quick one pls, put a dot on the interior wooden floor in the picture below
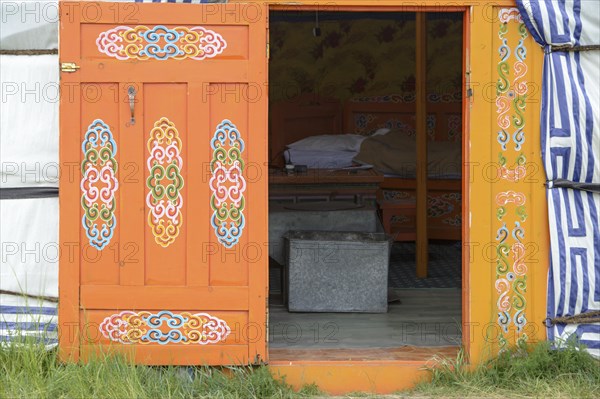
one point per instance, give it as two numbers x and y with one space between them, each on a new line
425 322
379 355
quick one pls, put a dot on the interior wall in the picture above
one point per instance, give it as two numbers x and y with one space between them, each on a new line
360 55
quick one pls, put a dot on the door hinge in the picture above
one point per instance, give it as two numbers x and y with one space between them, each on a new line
268 51
468 82
69 67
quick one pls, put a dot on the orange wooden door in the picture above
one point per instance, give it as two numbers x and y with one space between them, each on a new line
163 195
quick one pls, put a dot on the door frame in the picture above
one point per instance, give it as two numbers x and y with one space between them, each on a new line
440 6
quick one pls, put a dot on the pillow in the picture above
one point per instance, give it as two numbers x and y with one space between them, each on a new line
319 159
329 142
381 132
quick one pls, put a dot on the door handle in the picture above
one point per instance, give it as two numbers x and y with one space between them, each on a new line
131 92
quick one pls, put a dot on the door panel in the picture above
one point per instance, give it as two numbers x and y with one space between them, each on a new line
170 229
165 175
227 262
132 187
100 245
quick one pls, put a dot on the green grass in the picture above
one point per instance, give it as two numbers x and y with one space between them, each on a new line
29 371
533 371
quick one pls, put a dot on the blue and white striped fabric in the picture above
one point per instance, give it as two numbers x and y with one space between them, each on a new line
23 318
29 269
570 135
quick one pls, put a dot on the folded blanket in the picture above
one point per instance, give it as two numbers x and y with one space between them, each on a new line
396 153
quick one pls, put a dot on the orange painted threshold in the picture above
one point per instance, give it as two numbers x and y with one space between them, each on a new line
372 370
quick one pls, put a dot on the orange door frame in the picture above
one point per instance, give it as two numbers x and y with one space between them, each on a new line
466 339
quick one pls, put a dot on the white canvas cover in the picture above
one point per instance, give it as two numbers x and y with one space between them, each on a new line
29 243
29 123
29 25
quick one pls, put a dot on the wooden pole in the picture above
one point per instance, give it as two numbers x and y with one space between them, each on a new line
421 129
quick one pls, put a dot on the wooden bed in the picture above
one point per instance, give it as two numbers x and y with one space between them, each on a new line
396 196
310 115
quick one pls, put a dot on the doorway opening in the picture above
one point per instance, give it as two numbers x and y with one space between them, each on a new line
343 154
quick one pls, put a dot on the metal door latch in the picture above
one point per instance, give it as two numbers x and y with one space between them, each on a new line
131 93
69 67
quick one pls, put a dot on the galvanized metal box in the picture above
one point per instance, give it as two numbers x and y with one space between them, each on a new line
337 271
282 220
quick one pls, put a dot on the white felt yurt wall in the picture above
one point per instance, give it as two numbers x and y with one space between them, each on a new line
29 25
30 246
29 163
29 126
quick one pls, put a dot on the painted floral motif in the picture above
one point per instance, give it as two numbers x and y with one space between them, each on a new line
99 184
364 78
510 196
399 219
511 96
410 98
512 174
430 123
508 14
440 205
362 121
390 98
160 43
408 128
455 97
455 221
227 184
164 182
454 127
164 327
393 195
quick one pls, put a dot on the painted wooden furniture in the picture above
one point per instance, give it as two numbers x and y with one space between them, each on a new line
397 202
444 197
364 116
328 185
397 215
166 203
